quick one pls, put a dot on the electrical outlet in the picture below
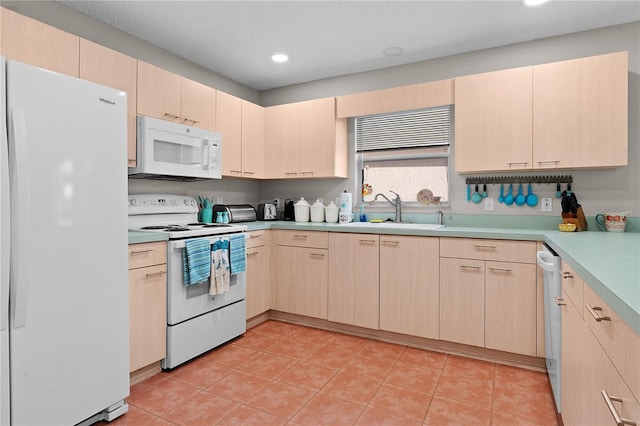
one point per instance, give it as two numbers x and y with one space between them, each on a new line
276 202
488 204
220 200
546 205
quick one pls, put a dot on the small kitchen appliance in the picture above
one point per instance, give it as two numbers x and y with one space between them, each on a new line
236 212
289 213
267 211
196 320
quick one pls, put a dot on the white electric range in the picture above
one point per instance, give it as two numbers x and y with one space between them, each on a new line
196 320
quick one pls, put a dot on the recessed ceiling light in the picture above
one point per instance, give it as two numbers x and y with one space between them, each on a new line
393 51
279 57
534 2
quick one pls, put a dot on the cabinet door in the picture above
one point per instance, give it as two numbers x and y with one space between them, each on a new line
228 123
110 68
258 283
198 104
409 285
580 112
32 42
572 379
354 291
301 277
316 141
281 130
147 315
159 92
493 121
462 301
510 317
252 140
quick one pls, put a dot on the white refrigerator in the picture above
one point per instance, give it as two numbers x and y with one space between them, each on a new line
64 347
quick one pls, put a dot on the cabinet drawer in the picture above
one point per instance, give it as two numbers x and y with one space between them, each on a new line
618 340
572 284
256 238
147 254
500 250
303 239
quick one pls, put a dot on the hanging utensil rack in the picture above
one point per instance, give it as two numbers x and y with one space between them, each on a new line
489 180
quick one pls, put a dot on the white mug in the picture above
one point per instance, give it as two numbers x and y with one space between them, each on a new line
345 217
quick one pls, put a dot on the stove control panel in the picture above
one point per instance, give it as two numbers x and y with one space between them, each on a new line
161 204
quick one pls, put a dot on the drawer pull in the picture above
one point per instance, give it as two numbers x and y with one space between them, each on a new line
317 254
524 163
300 236
596 315
136 252
367 241
171 116
548 161
499 269
566 275
470 267
484 246
236 171
188 120
390 242
155 274
255 236
616 417
560 301
253 253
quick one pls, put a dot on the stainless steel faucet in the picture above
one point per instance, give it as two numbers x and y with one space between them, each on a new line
440 217
397 203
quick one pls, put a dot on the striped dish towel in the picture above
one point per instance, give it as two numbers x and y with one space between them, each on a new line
237 253
196 261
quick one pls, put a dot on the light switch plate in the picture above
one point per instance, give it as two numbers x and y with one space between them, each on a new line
546 205
488 204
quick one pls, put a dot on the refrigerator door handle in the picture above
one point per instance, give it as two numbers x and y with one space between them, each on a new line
4 229
20 223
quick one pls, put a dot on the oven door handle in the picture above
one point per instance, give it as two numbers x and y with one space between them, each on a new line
179 244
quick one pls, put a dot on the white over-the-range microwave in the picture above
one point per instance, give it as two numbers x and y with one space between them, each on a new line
173 151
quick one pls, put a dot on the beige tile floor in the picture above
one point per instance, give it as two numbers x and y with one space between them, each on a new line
280 373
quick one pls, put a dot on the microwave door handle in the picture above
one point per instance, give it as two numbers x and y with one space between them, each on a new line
206 152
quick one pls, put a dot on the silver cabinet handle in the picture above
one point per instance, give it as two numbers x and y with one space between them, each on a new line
614 412
524 163
566 275
560 301
155 274
255 235
470 267
548 161
317 254
484 246
596 315
188 120
390 242
300 236
171 116
499 269
253 253
136 252
367 241
239 172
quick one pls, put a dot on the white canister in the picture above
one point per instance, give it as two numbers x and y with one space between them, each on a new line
346 202
317 211
301 210
331 212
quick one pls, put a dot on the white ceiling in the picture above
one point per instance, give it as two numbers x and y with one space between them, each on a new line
331 38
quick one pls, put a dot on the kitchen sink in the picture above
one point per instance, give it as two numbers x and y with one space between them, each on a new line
394 225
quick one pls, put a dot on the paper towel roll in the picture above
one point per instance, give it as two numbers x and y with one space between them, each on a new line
346 202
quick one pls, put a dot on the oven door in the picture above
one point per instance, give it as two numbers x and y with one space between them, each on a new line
186 302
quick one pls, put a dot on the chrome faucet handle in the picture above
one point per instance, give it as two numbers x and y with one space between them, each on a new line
397 195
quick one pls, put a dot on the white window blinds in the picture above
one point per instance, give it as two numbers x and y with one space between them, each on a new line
406 129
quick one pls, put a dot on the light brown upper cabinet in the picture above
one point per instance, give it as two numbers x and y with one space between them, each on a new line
580 113
32 42
168 96
562 115
252 140
414 96
229 125
305 140
493 121
110 68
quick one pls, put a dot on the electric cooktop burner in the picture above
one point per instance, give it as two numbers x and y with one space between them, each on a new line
216 225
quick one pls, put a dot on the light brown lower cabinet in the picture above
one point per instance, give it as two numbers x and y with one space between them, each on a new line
258 273
354 291
147 304
409 285
301 277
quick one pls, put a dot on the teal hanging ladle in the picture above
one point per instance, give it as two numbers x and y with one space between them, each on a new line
508 200
501 197
532 199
